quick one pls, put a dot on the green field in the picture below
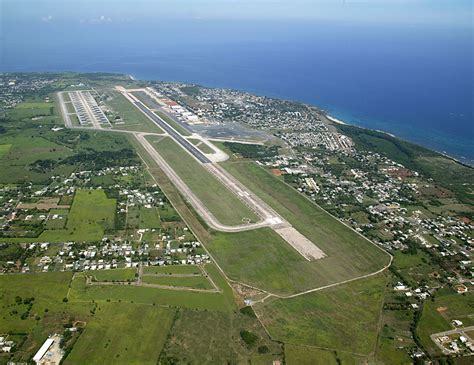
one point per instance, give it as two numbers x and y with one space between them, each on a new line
123 333
19 152
142 217
127 274
172 269
4 148
48 312
343 317
263 259
132 118
304 355
221 343
195 282
91 213
395 337
227 208
224 301
57 223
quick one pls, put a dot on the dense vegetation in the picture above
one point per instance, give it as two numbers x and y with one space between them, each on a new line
252 151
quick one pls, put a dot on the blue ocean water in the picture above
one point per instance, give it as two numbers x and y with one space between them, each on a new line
414 81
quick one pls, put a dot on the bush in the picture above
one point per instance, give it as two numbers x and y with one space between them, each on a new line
248 337
263 349
248 311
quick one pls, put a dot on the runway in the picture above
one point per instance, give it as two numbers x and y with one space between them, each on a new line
268 216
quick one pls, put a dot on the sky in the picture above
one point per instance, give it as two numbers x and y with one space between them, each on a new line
457 13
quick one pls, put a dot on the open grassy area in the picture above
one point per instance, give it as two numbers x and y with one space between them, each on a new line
304 355
395 337
344 317
221 344
262 258
113 274
91 213
48 312
18 152
225 206
122 333
224 301
172 269
196 282
141 217
132 118
4 148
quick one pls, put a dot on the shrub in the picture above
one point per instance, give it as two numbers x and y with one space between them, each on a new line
248 337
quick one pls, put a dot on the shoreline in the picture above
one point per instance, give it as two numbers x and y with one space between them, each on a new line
444 154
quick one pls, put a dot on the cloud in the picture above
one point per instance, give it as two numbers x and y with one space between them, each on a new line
97 20
47 18
102 19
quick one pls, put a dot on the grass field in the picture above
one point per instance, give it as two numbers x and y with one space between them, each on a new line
113 274
221 343
132 118
4 148
227 208
91 212
123 333
304 355
130 293
344 317
48 312
23 150
172 269
395 337
196 282
142 217
261 258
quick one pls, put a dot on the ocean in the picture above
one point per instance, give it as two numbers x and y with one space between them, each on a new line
415 82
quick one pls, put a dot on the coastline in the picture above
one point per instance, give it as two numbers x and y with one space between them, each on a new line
441 153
